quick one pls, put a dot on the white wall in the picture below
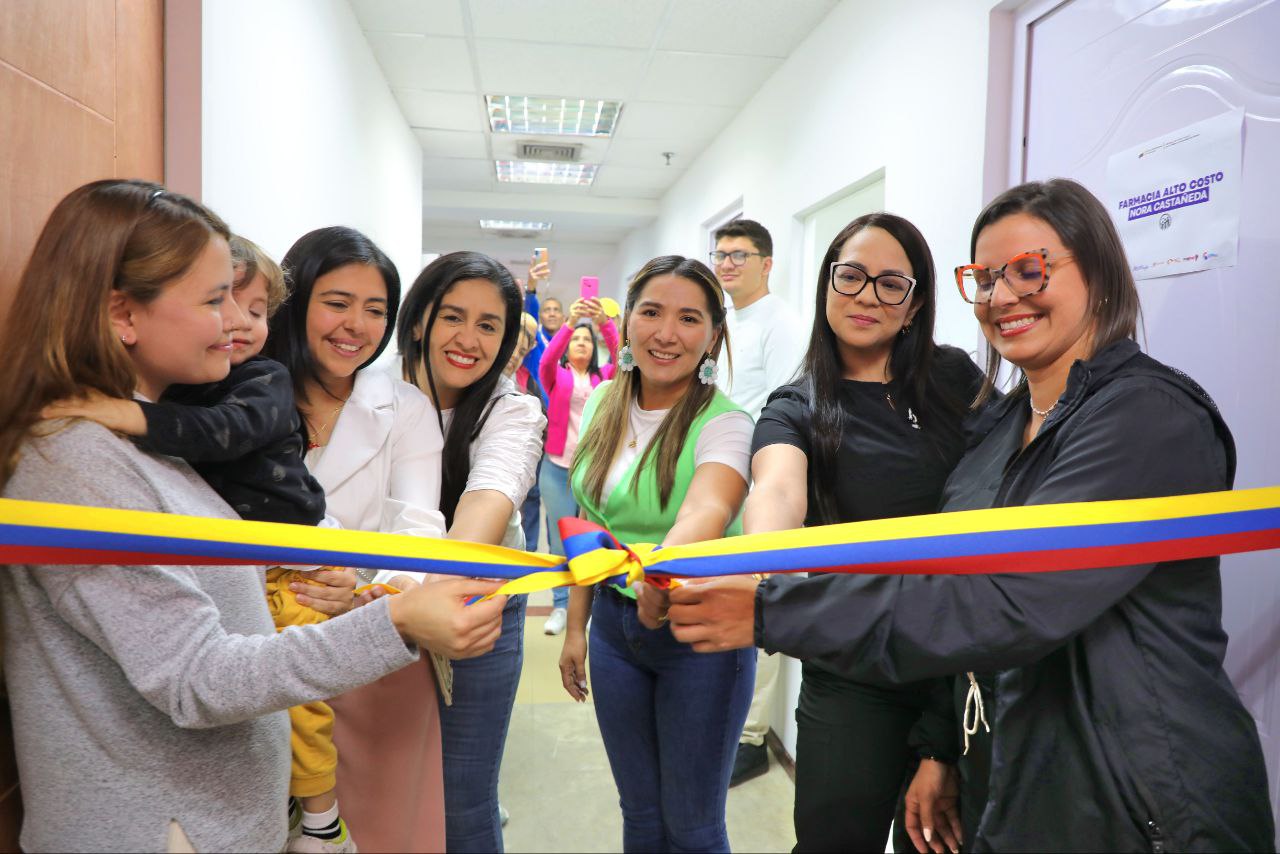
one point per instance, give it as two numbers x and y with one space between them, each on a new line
900 86
299 129
897 86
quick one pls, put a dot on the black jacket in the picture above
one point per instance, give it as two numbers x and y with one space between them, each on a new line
1113 724
242 435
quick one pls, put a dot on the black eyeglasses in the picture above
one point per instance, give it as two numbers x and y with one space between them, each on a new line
890 288
738 257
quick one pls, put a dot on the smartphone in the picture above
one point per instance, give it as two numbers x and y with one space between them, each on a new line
540 256
590 287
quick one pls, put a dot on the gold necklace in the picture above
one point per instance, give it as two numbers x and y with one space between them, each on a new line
317 433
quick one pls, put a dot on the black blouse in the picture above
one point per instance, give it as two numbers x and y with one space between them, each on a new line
890 462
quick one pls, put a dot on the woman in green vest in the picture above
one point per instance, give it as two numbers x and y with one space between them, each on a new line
664 458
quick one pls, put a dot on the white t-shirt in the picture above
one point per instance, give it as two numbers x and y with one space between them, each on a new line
768 344
724 439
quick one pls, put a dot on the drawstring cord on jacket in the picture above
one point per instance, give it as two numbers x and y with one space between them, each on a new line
973 700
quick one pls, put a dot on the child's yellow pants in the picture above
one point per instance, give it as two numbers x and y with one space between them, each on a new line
315 758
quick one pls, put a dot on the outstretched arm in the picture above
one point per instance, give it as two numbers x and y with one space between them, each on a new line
916 626
256 411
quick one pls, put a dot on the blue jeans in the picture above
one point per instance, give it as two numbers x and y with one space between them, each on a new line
474 731
553 482
670 719
530 514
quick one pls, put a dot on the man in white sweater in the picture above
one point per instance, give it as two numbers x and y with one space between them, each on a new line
768 345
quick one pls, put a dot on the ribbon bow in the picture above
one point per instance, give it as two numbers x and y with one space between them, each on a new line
592 555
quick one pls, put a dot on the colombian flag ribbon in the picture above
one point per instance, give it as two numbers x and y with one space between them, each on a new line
1040 538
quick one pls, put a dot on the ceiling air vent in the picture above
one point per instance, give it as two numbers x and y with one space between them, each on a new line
550 152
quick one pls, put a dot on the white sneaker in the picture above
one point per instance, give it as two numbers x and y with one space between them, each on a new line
503 815
343 844
556 621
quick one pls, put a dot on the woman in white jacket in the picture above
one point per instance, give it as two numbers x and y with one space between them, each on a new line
374 443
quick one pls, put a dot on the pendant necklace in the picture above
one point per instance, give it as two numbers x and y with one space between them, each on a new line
312 444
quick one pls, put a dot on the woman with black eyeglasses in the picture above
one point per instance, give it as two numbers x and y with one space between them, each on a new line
870 430
1105 721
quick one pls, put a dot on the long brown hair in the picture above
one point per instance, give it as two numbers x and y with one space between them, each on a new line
603 439
134 237
1087 232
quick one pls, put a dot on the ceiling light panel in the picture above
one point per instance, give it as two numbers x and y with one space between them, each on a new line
552 116
513 225
537 172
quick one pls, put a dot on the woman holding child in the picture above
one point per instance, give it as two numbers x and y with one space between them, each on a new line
167 682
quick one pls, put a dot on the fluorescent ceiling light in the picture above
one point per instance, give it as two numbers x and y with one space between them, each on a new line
552 116
538 172
513 225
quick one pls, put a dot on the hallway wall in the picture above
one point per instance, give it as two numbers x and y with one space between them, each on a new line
896 86
900 86
299 129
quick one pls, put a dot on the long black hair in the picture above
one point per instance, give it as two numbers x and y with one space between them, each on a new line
937 407
312 256
473 407
592 367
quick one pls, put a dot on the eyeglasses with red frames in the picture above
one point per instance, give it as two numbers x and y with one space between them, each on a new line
1025 274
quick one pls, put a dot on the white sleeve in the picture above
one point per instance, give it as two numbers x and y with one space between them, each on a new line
504 457
412 503
784 343
726 439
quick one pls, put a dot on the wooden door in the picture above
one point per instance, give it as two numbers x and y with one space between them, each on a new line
82 96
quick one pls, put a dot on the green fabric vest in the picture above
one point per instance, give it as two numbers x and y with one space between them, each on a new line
639 517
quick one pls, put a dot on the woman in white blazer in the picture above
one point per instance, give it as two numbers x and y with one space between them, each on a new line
374 444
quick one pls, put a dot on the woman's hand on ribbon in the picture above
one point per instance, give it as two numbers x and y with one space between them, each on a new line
436 616
932 808
331 591
715 615
652 604
573 664
373 592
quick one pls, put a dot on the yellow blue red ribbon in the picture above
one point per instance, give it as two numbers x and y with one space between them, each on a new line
1041 538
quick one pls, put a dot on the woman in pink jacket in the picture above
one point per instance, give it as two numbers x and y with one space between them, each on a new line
569 373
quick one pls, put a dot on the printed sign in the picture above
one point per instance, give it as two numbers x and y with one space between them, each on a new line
1176 199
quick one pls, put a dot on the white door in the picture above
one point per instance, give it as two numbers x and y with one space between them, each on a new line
1104 75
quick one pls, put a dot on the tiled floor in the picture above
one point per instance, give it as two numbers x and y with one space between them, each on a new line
556 782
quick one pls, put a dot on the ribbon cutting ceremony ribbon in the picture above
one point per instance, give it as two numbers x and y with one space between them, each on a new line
1040 538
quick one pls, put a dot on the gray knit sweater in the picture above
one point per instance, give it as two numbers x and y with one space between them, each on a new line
146 694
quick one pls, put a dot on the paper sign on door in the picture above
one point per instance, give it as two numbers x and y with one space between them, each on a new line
1176 199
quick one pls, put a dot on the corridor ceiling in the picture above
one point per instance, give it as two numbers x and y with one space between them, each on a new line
682 68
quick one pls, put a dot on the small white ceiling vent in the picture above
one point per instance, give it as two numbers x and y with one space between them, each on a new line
551 152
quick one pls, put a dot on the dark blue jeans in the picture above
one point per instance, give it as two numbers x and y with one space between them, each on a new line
671 719
531 513
474 732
